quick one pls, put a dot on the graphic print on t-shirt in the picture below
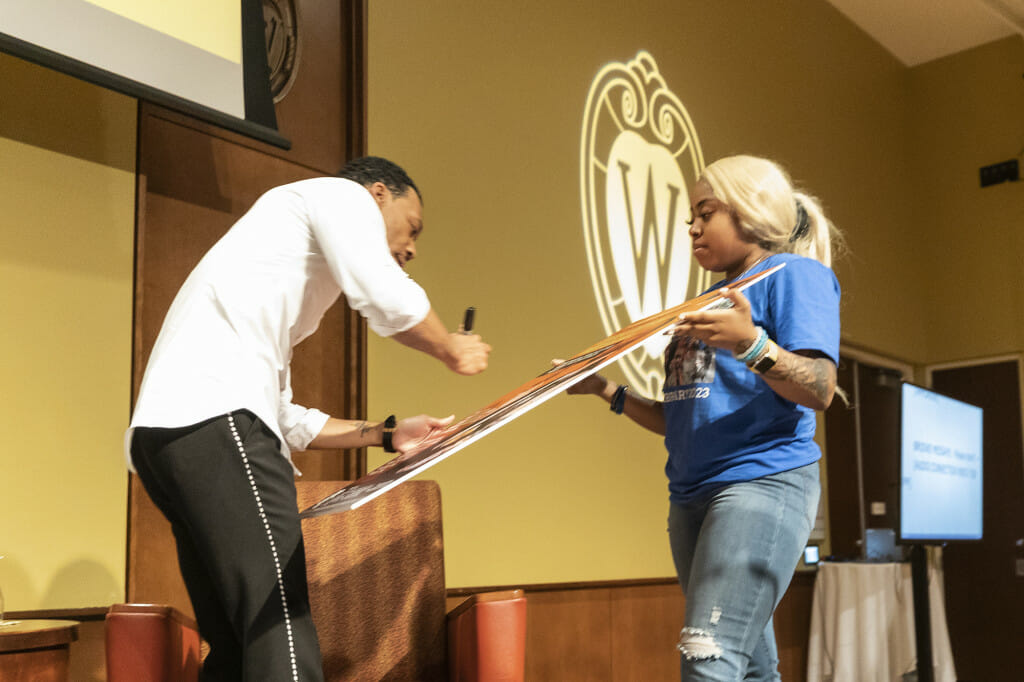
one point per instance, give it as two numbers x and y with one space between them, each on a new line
688 361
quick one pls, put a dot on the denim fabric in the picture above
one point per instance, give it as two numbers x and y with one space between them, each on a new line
735 550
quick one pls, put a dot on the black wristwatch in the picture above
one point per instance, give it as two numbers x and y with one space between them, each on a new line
389 431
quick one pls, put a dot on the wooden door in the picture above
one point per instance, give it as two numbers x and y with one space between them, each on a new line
984 581
862 441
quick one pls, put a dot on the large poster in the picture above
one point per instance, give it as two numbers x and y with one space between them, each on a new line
447 442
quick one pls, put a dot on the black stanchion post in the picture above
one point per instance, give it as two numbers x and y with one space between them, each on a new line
922 616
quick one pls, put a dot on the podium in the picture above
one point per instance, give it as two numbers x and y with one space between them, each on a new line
377 593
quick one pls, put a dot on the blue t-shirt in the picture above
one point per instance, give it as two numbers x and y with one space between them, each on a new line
723 422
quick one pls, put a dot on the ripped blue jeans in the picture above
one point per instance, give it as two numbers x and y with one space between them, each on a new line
735 550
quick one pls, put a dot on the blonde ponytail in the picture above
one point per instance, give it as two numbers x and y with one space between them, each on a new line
820 237
769 211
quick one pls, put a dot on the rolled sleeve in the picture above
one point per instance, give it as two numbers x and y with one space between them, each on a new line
299 425
350 230
303 426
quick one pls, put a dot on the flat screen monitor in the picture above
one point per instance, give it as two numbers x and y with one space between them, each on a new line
941 467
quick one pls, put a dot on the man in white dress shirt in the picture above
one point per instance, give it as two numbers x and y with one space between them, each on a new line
214 423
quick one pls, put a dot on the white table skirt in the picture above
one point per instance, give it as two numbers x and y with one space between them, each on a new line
862 624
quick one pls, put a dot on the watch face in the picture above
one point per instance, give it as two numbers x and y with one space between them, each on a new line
281 29
768 361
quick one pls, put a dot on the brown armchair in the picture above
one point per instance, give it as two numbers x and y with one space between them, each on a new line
377 590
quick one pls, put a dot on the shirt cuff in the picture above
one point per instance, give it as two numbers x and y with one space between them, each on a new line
311 424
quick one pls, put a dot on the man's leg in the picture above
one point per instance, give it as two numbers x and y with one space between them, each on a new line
224 660
231 498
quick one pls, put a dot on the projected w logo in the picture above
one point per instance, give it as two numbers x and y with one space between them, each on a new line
651 255
639 153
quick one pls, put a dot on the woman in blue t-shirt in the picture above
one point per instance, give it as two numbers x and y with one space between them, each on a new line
742 385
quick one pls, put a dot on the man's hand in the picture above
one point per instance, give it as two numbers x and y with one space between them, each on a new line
467 353
460 352
412 431
725 328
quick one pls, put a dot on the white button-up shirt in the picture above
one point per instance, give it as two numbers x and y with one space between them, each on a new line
227 340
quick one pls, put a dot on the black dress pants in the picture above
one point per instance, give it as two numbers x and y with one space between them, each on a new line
230 498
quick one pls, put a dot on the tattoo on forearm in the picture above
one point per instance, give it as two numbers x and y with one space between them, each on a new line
813 374
364 428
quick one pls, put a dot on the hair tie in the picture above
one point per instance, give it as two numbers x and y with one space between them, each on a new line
802 222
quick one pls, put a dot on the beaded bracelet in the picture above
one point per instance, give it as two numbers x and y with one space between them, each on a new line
755 348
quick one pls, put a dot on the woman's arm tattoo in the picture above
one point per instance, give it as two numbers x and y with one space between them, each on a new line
814 374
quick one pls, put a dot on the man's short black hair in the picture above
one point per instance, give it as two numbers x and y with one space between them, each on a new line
367 170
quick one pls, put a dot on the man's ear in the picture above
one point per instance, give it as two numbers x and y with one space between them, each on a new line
380 192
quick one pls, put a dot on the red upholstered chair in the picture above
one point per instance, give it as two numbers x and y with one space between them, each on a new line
487 638
377 591
150 642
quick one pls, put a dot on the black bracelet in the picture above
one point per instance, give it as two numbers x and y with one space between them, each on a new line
389 431
618 399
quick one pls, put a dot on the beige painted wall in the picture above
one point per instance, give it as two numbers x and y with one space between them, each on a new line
969 113
482 101
67 192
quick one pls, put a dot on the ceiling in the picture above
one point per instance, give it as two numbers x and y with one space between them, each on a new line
918 31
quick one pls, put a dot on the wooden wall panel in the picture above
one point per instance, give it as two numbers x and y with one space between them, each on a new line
313 115
620 632
192 189
627 632
194 181
647 621
568 635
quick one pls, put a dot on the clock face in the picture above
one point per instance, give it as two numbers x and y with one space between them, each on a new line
281 29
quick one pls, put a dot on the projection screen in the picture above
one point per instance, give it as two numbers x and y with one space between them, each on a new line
206 58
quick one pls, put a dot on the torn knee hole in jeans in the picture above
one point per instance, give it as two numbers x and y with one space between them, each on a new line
697 644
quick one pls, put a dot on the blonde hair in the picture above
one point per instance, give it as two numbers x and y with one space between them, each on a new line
767 208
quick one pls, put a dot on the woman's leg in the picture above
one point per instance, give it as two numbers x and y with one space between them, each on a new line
742 558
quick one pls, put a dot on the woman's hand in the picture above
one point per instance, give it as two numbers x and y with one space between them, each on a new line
647 413
729 328
804 377
594 384
412 431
